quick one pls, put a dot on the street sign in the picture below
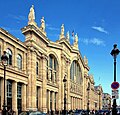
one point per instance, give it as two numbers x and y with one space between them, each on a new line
115 94
115 85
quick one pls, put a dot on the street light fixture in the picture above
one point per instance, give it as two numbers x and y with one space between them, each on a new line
4 60
88 89
114 53
64 81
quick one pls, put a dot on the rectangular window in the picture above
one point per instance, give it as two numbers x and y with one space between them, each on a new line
55 100
50 100
50 59
10 59
37 96
37 68
19 91
9 89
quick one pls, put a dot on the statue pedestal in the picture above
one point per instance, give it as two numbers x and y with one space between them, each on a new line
32 23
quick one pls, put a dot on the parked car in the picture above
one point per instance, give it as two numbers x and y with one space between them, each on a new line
118 111
32 113
80 112
102 112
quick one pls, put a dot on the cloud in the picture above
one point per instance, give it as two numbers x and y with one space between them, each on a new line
19 18
50 27
12 31
100 29
94 41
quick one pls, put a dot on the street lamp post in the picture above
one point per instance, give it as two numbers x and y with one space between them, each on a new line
88 89
64 81
4 60
114 53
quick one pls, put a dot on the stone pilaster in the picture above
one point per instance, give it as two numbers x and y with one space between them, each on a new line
68 86
24 62
14 96
44 83
23 97
40 97
15 58
33 80
29 81
62 77
4 46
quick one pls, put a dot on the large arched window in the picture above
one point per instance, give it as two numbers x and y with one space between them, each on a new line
9 54
52 67
19 61
75 72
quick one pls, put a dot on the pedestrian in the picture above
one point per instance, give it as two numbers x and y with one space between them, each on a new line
0 111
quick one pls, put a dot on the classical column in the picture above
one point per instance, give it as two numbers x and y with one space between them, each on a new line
72 103
48 100
79 103
14 96
23 97
53 101
56 102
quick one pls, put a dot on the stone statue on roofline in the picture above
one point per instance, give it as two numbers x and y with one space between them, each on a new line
42 24
76 41
62 32
68 36
62 29
85 60
31 16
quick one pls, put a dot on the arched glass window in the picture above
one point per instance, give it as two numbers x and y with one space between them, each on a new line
9 54
75 72
52 67
19 61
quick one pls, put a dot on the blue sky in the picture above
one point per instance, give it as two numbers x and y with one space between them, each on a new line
97 23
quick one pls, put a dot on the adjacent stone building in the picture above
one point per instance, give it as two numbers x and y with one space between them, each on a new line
37 66
106 104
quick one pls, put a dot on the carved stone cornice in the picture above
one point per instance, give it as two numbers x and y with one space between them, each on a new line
44 56
65 58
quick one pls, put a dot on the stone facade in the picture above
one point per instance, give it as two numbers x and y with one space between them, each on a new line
37 66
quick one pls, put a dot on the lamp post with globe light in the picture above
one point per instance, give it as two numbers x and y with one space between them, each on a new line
114 53
4 60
